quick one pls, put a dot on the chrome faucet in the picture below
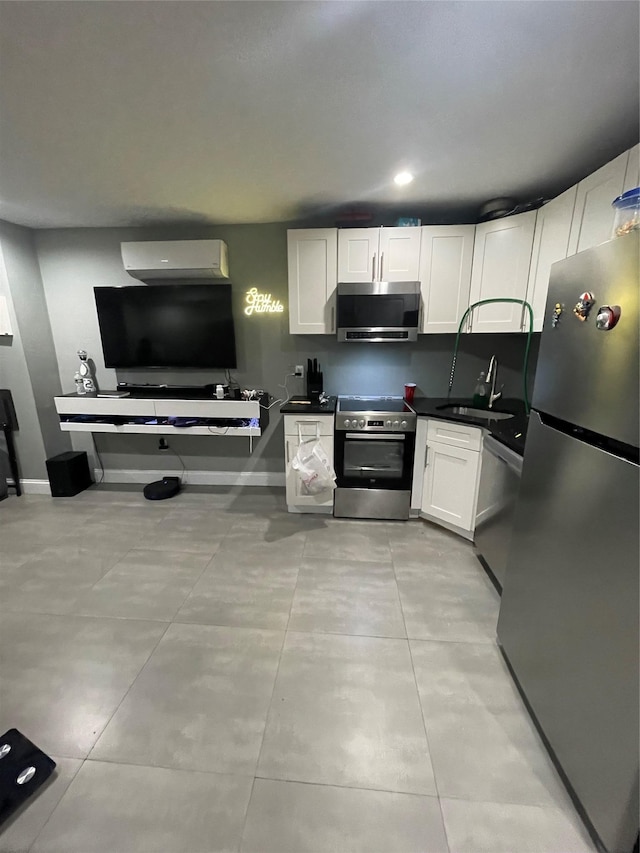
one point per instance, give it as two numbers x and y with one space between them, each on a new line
492 374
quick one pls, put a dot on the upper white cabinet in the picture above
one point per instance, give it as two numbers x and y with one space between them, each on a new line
550 244
313 263
445 275
378 254
593 215
358 254
501 256
632 174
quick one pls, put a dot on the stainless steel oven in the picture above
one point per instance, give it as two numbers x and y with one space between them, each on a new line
374 453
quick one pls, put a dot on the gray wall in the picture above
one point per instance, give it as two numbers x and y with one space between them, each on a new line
74 261
14 375
27 292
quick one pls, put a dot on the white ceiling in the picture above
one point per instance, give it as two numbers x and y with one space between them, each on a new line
118 113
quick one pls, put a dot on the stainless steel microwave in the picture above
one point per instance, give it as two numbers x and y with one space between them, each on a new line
378 311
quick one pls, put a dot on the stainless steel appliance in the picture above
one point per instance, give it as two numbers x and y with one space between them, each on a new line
374 450
498 492
378 311
568 621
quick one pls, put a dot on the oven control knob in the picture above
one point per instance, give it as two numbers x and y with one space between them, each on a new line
396 424
347 423
388 424
403 424
361 424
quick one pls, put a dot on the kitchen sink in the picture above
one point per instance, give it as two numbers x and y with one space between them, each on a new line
489 414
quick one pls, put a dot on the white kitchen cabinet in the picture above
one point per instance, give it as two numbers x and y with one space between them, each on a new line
448 492
450 487
358 254
378 254
632 173
593 215
446 254
313 264
501 258
399 254
306 428
550 244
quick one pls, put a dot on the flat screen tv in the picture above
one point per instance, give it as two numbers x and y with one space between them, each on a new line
168 325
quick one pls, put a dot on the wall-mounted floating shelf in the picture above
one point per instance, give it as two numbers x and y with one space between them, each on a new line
141 415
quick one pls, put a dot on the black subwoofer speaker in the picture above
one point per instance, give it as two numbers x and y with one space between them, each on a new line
68 474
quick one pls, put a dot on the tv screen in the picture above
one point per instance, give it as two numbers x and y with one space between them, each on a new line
169 325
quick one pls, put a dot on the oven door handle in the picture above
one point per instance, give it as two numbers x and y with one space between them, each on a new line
376 436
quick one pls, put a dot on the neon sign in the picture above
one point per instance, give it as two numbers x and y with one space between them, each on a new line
261 303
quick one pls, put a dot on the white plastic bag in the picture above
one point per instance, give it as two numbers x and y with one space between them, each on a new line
314 467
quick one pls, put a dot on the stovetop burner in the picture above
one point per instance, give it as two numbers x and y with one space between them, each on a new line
372 404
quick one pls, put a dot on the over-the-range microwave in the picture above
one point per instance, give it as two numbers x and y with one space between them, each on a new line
378 311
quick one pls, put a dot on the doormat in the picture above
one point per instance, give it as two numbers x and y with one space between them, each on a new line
23 769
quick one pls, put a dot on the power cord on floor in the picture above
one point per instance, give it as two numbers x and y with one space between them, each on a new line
182 475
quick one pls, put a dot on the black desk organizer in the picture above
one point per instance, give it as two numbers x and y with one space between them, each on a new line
315 382
23 769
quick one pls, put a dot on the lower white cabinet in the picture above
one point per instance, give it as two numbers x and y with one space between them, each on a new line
450 482
306 429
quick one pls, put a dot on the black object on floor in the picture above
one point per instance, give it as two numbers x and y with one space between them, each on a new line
68 474
8 425
160 490
23 768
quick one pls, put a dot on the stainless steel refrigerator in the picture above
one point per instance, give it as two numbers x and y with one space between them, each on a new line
568 622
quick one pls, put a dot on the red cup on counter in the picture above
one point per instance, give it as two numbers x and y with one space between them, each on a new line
409 391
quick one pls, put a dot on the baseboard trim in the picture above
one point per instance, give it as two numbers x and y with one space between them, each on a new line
193 478
32 487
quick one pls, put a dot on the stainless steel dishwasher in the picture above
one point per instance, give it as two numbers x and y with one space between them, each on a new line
498 493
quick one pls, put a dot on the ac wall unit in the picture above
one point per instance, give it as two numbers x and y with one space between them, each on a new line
189 260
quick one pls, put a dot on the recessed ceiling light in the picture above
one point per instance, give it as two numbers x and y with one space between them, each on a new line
403 178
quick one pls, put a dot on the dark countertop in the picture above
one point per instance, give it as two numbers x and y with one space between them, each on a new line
512 432
290 407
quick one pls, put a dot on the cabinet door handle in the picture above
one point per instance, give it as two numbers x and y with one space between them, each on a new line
381 264
333 319
373 267
426 458
287 446
522 320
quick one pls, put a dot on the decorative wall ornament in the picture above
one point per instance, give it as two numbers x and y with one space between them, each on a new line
86 373
261 303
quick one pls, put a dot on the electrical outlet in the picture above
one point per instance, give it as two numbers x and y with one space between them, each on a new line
299 371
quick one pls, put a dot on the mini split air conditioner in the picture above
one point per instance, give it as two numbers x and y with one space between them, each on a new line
189 260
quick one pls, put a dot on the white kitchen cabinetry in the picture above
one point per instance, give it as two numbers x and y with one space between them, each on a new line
378 254
446 254
306 428
501 258
632 174
451 476
593 216
550 244
313 263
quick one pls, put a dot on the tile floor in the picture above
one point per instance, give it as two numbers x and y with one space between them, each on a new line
213 674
